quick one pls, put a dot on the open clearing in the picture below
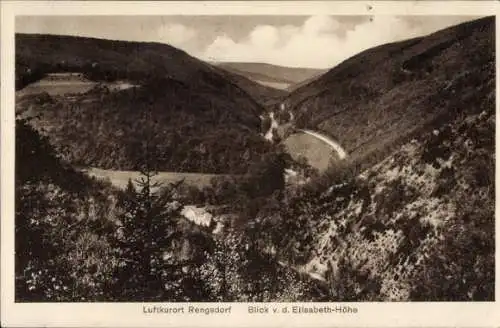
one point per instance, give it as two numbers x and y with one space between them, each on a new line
57 88
276 85
120 178
58 84
318 153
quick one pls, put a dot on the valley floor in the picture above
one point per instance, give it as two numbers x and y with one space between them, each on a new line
120 178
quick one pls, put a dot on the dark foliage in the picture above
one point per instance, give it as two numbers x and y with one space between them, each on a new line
108 60
202 119
193 132
60 226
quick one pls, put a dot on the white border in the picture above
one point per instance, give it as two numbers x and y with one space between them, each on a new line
130 314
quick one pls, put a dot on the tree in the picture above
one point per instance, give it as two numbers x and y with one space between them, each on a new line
150 243
147 228
267 175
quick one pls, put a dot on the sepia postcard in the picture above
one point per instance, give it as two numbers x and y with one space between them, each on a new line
248 164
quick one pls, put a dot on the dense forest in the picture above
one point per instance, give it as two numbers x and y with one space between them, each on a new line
137 62
188 131
200 118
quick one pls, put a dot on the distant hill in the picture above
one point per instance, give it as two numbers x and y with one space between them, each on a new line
378 98
266 94
279 77
294 87
195 116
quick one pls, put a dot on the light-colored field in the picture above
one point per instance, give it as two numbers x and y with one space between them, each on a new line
57 88
120 178
332 143
276 85
58 84
318 153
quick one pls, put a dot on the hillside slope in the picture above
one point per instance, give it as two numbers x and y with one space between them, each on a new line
189 114
422 225
59 217
377 99
416 222
417 226
109 60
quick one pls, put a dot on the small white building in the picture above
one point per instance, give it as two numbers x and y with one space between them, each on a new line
197 215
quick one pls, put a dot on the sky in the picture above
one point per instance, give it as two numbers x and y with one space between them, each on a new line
295 41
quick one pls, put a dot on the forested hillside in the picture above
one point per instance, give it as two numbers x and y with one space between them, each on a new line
410 215
178 129
137 62
417 226
189 115
378 98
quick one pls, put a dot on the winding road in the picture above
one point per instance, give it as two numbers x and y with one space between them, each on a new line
332 143
329 141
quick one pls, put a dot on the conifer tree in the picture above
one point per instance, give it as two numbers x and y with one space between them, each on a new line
147 228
